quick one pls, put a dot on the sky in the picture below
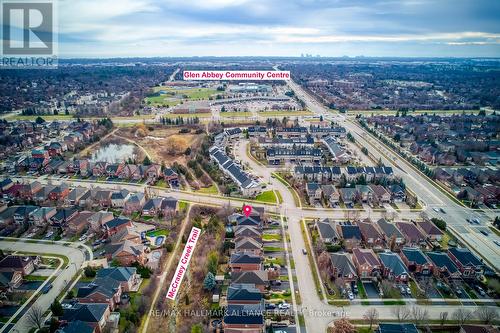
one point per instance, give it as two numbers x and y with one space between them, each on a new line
171 28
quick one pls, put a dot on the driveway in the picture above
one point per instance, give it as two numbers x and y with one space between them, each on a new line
371 290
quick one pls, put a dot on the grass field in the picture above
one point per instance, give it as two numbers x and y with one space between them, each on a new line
187 115
172 97
46 117
235 114
267 196
209 190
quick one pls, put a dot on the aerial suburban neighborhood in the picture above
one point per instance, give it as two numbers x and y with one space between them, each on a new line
250 166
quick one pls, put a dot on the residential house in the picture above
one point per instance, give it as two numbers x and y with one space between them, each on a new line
342 267
169 206
370 234
244 262
41 217
24 264
103 198
77 326
152 207
94 314
43 194
63 215
126 253
444 267
348 195
331 195
364 192
396 328
380 194
244 318
259 278
247 231
99 219
469 265
398 194
103 290
314 192
79 223
10 280
327 231
416 261
393 237
367 263
127 276
116 224
412 234
248 245
75 195
350 234
430 229
118 198
59 192
243 293
28 191
134 203
393 268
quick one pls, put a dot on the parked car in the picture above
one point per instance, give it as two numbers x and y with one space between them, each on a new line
270 306
304 251
283 306
350 295
480 291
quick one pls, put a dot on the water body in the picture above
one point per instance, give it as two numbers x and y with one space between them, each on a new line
113 153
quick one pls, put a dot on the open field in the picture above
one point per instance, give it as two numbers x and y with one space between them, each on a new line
172 96
235 114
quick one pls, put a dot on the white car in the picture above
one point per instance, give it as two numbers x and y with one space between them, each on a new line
84 237
350 295
283 306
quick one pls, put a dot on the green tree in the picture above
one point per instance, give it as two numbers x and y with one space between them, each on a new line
196 328
39 120
209 282
56 308
146 161
213 262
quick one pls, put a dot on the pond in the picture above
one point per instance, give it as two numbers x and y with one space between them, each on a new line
113 153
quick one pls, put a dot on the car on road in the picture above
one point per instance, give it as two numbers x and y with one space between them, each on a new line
304 251
47 288
484 232
496 242
442 210
476 221
436 210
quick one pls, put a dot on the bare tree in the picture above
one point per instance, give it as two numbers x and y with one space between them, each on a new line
442 317
419 314
401 312
486 314
371 316
342 326
35 316
462 315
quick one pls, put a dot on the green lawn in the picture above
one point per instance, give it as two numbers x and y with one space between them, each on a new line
209 190
280 198
274 261
267 196
183 205
273 249
34 278
172 96
159 232
271 237
235 114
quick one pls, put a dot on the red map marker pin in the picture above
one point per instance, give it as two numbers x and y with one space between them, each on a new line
247 210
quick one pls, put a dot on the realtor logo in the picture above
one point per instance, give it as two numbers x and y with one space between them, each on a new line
27 28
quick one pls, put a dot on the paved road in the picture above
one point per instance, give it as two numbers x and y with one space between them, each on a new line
65 275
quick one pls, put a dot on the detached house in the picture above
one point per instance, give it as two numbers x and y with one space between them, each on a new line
367 264
468 264
244 262
103 290
342 267
444 267
126 253
416 261
350 233
412 234
393 268
327 231
371 235
393 236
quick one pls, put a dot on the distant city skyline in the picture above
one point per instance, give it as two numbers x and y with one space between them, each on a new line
409 28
